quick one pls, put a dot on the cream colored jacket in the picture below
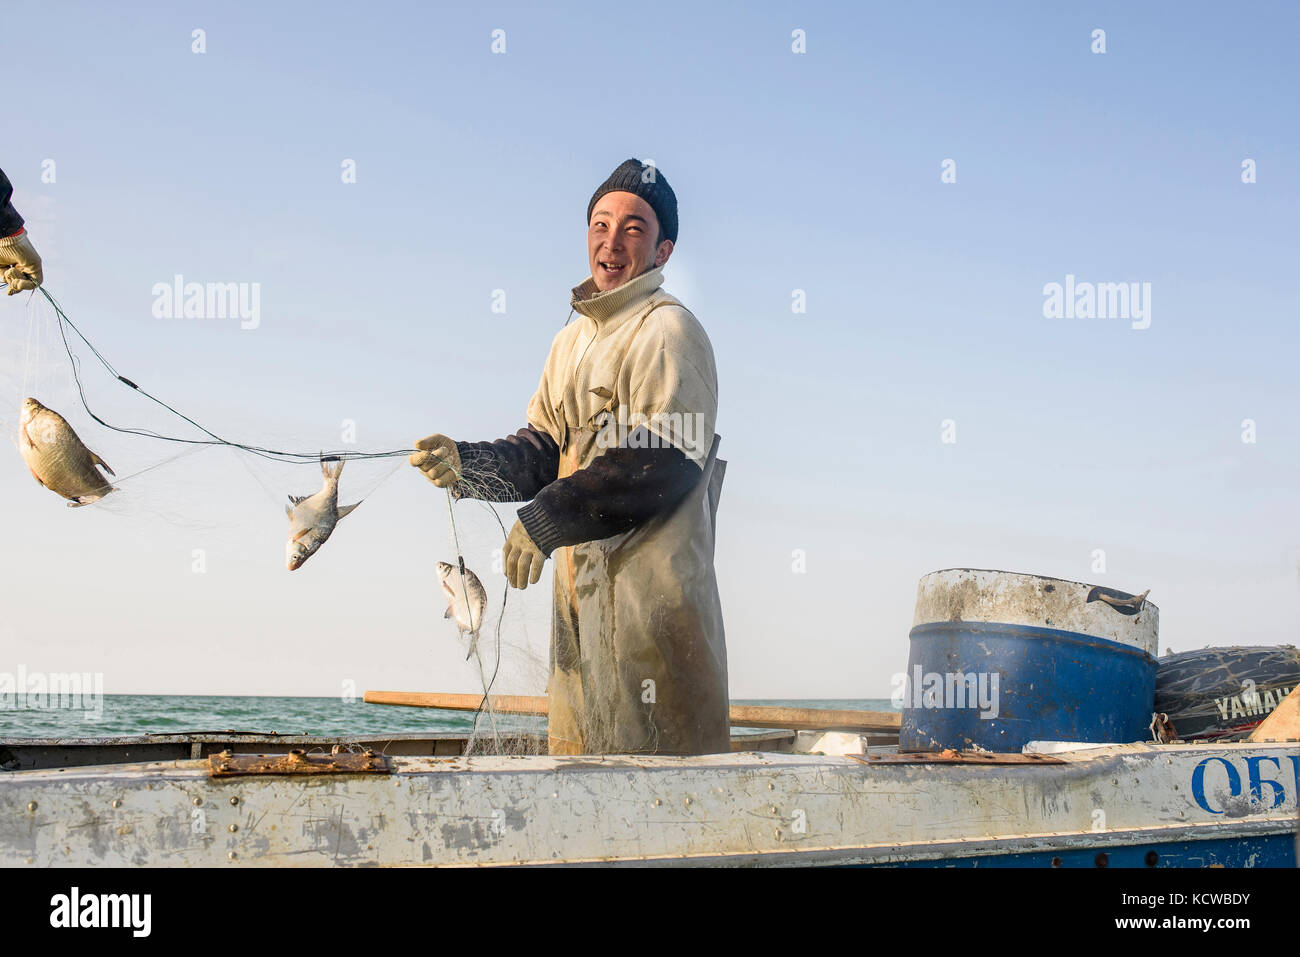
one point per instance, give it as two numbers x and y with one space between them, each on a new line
635 355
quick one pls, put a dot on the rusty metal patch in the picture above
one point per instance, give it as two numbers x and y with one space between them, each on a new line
226 764
949 756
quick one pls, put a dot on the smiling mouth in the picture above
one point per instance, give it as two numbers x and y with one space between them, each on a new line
613 269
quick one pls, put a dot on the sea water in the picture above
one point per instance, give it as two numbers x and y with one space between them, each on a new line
111 715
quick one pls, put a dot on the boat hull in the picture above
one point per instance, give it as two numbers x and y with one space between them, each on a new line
1230 804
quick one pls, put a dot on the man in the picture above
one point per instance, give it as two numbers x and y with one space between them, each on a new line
620 470
20 267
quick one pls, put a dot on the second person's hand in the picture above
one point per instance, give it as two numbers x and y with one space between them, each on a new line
20 266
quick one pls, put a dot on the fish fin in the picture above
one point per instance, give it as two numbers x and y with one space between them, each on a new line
81 500
447 613
296 499
331 467
345 511
101 463
288 510
473 644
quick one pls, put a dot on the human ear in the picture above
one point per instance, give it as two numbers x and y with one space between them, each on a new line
663 252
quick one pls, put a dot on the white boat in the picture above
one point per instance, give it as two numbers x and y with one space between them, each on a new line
792 798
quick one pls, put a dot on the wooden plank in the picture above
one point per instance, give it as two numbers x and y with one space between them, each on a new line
501 703
742 715
1284 722
813 719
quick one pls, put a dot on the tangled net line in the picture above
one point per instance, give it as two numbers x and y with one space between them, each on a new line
481 484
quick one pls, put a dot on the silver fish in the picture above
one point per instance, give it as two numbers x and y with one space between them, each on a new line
312 518
58 459
466 601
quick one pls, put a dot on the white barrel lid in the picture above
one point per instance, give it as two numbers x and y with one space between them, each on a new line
1013 598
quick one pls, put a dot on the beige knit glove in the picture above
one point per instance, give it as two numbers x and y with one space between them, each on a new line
20 266
439 460
521 558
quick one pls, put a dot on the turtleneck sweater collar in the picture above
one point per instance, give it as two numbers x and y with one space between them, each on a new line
589 301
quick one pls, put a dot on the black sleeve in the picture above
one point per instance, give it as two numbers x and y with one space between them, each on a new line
10 221
618 491
513 469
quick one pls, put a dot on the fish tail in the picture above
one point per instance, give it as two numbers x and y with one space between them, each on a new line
331 467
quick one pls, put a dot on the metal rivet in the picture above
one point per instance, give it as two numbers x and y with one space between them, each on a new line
777 832
657 802
771 786
234 800
231 855
686 800
31 805
198 801
116 802
234 828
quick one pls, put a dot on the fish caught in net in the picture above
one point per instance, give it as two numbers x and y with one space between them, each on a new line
69 412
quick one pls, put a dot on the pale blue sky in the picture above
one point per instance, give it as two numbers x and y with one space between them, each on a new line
818 172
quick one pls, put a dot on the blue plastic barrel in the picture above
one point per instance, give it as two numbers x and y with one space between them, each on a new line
999 659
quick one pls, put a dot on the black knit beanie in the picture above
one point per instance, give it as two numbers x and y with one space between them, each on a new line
633 176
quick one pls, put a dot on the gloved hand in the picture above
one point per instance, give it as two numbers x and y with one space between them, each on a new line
20 266
438 460
523 560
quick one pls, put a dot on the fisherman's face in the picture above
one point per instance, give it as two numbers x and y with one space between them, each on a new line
621 240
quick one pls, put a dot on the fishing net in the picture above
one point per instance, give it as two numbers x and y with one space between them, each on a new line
229 485
166 464
497 727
